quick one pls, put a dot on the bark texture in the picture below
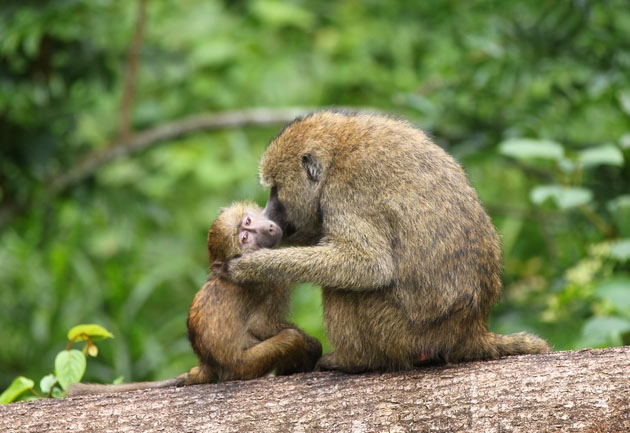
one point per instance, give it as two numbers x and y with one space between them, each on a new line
585 391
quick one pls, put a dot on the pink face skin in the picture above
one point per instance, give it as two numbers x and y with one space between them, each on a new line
255 232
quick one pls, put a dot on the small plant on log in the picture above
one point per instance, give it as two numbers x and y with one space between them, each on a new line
69 367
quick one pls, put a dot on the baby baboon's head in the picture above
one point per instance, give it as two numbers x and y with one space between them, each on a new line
239 228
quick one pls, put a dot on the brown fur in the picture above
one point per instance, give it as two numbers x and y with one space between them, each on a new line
387 223
238 332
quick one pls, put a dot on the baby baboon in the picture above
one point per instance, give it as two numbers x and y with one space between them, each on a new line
237 331
387 223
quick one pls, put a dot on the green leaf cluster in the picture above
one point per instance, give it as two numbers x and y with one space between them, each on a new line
70 367
597 285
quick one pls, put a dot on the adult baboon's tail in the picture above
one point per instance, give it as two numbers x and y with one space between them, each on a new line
521 343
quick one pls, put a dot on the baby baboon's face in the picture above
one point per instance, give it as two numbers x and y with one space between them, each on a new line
255 231
240 228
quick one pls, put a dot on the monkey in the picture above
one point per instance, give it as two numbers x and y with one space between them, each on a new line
238 332
387 223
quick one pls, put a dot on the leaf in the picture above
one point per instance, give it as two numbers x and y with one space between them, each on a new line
213 52
57 392
607 154
619 208
19 385
118 380
624 101
616 291
566 165
620 249
69 367
47 383
564 197
83 332
602 331
524 148
280 13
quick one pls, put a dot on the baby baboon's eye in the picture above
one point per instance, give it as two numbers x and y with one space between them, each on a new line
245 237
247 221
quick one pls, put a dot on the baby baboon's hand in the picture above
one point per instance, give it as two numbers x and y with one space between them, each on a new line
241 269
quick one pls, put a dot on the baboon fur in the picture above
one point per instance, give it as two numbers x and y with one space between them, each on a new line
388 225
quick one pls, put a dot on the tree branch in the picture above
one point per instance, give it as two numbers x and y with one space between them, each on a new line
131 72
580 391
140 141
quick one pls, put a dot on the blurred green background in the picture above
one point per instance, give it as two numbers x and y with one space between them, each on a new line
533 98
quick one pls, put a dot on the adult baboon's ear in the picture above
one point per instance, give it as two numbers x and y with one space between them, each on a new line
313 167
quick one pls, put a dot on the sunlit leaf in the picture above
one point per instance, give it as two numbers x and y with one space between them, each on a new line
620 249
567 165
601 331
213 52
57 392
616 291
69 367
564 197
47 383
603 155
624 101
524 148
281 13
83 332
19 385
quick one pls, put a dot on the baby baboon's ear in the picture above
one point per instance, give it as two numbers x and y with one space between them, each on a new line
313 167
218 267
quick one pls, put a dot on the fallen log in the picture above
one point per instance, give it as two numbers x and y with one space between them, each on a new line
585 391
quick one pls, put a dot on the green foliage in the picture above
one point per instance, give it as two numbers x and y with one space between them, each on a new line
605 331
607 154
595 288
88 332
531 97
527 148
47 382
19 386
565 197
70 366
615 292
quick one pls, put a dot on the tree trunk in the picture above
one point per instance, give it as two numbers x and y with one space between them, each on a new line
585 390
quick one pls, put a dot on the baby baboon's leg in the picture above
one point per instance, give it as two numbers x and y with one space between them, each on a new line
262 358
302 361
